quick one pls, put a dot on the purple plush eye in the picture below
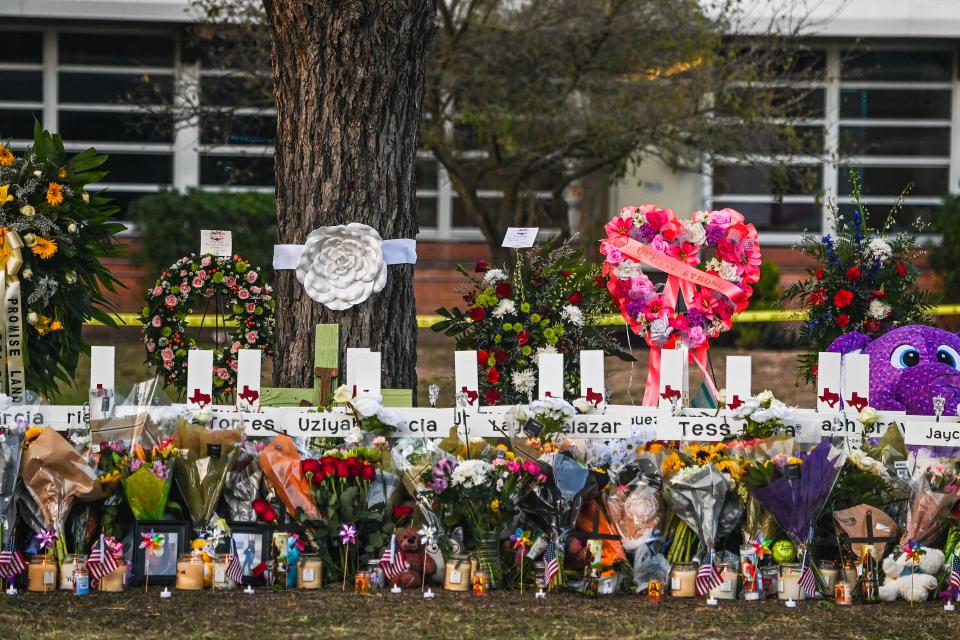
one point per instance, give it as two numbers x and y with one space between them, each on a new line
904 357
948 355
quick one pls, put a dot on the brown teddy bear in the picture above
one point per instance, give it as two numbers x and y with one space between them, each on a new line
408 542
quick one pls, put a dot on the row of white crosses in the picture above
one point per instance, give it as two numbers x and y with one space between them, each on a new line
842 391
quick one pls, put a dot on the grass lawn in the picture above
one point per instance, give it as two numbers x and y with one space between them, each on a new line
289 615
774 370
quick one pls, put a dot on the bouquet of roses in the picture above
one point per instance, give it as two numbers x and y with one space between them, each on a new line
147 477
935 490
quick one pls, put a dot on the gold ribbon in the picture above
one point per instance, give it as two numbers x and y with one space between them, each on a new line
12 336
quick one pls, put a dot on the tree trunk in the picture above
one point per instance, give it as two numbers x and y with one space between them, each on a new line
349 79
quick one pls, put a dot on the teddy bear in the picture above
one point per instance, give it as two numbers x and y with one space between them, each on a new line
909 580
408 543
908 367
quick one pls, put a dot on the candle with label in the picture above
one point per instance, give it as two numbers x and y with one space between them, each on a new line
115 581
310 574
728 588
67 568
683 580
42 574
457 574
221 581
190 572
789 586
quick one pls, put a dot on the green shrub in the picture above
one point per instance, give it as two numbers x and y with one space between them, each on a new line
170 224
945 257
761 335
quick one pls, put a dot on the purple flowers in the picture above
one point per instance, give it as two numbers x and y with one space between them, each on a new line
159 469
696 318
135 464
643 233
714 233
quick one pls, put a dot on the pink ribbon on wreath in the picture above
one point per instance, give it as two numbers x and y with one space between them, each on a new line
682 280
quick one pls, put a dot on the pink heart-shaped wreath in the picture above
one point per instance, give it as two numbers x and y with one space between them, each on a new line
712 294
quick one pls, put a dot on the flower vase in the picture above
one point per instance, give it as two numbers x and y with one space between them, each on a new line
488 558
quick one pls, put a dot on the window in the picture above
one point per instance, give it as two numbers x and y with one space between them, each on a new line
236 170
141 50
892 123
21 85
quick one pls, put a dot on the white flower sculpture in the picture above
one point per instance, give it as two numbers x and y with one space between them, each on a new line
341 266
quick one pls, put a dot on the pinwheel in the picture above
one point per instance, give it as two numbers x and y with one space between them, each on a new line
521 540
913 550
427 535
152 543
348 536
761 546
43 540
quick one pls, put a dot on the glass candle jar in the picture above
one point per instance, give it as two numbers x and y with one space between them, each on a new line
828 569
42 574
310 571
361 583
770 582
481 583
67 567
655 591
728 588
378 581
190 572
683 580
457 574
221 581
751 581
789 586
115 581
81 580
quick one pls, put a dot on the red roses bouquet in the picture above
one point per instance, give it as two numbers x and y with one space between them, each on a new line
864 280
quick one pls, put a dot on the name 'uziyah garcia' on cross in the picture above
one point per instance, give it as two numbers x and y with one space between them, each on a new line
842 390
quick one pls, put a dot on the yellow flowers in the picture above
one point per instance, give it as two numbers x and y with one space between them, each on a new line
671 464
4 196
55 194
731 468
62 173
495 506
45 249
794 460
32 434
45 325
654 447
6 156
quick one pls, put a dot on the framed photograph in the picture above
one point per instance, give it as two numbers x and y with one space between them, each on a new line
162 564
253 544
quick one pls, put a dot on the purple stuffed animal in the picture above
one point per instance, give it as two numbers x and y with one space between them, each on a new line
908 367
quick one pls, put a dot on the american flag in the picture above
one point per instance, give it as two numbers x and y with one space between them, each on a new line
955 572
102 562
393 563
808 581
709 576
551 567
11 561
234 567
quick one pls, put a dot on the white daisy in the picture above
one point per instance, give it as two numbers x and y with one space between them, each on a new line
572 314
493 276
524 381
504 307
878 310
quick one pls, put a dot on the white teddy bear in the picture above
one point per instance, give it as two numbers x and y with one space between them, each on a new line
902 582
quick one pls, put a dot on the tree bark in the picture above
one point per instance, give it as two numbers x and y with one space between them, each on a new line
349 78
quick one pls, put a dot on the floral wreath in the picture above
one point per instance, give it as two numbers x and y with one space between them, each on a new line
246 298
651 312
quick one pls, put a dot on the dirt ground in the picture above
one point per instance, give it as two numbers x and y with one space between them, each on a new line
331 614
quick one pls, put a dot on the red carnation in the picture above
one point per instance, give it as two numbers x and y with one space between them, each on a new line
492 396
879 293
263 510
819 273
477 314
854 274
500 356
575 298
368 472
818 296
523 338
402 511
901 270
482 356
503 289
310 465
843 298
482 266
493 376
843 320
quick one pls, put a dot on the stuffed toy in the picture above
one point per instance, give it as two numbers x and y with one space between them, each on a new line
908 367
910 580
408 542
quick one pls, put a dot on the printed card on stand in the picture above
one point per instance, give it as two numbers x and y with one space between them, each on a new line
368 375
466 377
216 242
550 377
199 378
102 381
592 383
739 380
856 381
674 376
520 237
249 362
828 382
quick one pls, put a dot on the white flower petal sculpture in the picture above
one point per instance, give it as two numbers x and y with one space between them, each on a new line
341 266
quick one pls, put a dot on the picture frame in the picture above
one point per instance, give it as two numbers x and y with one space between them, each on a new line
163 565
253 544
